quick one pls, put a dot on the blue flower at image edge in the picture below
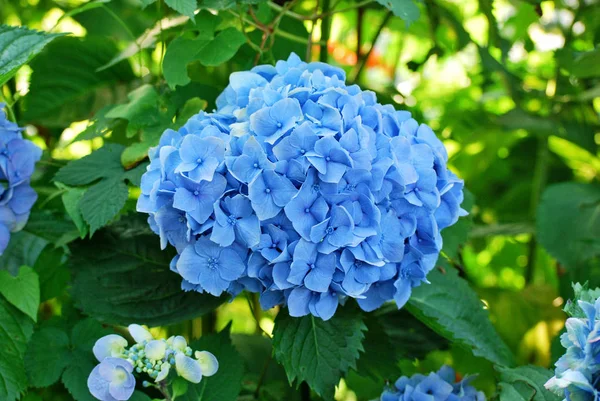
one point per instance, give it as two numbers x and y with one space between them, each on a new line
577 372
303 189
17 162
438 386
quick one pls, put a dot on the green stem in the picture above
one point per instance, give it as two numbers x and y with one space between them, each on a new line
124 25
325 31
9 110
360 64
293 38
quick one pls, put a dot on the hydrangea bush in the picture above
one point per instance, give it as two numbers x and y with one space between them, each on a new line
113 378
303 189
439 386
17 162
577 373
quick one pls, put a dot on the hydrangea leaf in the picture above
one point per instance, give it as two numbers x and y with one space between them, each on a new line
23 250
405 9
207 50
451 308
226 384
456 235
54 275
525 383
15 330
316 351
22 290
47 356
586 64
71 198
571 211
101 202
139 100
127 280
18 45
65 85
185 7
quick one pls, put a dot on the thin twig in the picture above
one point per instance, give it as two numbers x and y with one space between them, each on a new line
360 64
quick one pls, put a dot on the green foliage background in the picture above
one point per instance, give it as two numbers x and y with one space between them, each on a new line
511 86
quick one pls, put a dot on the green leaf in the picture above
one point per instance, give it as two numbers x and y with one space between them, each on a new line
185 7
65 86
102 202
205 49
18 45
525 383
586 65
98 126
23 250
226 384
15 330
568 223
47 356
52 272
71 198
316 351
23 291
103 163
405 9
140 99
222 48
452 309
179 54
76 374
123 280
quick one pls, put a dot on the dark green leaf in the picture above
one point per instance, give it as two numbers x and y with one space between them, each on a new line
15 330
405 9
47 356
101 202
140 99
103 163
568 223
586 64
185 7
23 290
451 308
525 383
18 45
64 84
179 54
316 351
23 250
456 235
76 374
52 272
125 281
222 48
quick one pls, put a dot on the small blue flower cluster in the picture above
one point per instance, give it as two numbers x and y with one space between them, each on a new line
577 373
113 378
17 162
439 386
303 189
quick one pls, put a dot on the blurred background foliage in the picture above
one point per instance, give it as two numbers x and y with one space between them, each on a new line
511 86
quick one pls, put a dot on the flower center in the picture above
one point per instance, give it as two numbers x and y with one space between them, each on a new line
232 220
279 125
268 190
329 230
302 151
328 158
212 263
199 160
255 165
307 210
196 193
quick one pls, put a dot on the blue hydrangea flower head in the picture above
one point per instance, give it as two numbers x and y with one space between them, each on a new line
304 189
577 372
113 379
17 162
437 386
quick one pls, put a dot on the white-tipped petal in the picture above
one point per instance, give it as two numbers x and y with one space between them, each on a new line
208 362
111 345
155 349
179 343
139 333
188 368
164 372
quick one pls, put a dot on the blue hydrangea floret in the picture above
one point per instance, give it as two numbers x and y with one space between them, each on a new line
113 378
437 386
577 372
17 162
304 189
